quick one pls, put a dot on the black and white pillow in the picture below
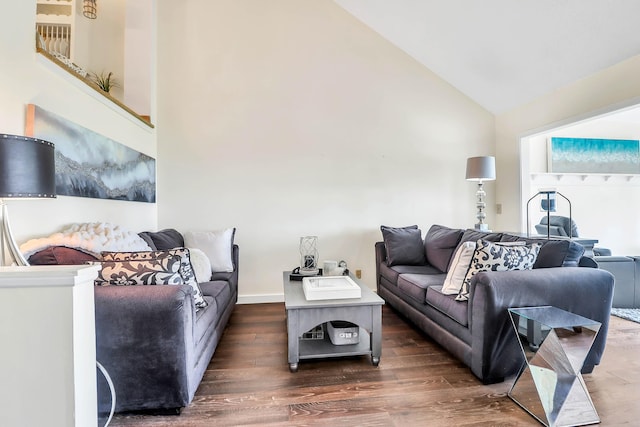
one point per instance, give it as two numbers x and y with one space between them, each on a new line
152 261
490 256
160 271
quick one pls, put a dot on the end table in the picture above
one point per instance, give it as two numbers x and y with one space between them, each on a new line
555 344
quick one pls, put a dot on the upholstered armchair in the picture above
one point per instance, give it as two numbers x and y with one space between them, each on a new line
565 227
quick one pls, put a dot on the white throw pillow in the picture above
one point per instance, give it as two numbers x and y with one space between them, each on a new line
201 265
217 245
458 268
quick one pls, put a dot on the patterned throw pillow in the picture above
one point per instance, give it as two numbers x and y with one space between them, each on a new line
161 271
152 260
490 256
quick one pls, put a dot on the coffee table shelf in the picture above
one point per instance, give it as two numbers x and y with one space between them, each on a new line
321 348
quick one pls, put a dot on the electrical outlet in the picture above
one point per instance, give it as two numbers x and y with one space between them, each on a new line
359 274
499 208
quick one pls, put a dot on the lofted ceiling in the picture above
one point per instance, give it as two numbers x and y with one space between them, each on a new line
505 53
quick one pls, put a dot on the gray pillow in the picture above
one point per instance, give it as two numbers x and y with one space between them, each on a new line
439 244
404 245
559 253
163 239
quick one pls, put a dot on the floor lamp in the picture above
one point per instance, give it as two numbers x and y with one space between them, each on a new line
481 169
548 204
27 171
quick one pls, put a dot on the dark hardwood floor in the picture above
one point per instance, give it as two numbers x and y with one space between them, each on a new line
417 383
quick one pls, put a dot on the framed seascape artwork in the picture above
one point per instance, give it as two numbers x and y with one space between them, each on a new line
92 165
587 155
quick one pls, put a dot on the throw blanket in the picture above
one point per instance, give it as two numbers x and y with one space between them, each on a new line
93 237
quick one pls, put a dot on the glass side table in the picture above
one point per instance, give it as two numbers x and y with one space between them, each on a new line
549 386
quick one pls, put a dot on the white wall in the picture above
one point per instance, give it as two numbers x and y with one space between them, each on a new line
288 118
613 88
100 42
138 55
28 78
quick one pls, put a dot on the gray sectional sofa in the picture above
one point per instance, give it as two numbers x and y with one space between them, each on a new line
626 270
410 272
152 341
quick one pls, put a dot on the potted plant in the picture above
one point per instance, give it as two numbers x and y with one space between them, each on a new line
105 81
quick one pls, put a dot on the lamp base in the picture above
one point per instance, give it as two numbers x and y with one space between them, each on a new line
482 227
7 241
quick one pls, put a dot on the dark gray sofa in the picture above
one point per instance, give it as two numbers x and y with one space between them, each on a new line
478 331
151 340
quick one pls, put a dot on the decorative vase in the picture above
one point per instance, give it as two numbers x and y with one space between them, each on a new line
309 255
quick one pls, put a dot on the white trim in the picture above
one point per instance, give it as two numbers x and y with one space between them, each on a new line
83 87
260 299
265 298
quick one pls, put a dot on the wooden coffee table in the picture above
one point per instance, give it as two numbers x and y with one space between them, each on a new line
303 315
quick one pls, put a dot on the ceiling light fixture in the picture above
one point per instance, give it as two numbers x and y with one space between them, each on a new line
89 9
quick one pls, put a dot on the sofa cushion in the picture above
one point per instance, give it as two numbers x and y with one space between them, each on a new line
150 257
458 268
439 244
447 305
219 290
163 239
206 318
415 285
403 245
470 235
490 256
217 245
392 273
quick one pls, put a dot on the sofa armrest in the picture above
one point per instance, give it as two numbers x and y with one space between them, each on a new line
144 340
232 277
584 291
624 270
381 257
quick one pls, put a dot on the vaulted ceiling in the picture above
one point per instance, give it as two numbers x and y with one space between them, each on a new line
505 53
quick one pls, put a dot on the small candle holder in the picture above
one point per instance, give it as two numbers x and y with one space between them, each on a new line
309 255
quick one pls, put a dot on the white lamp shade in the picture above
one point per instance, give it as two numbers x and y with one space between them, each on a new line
481 168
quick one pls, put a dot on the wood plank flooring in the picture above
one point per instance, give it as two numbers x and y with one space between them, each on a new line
417 383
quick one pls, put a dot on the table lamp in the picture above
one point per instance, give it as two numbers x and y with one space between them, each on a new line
27 171
481 169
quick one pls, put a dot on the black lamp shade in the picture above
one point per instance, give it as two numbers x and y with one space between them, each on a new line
27 167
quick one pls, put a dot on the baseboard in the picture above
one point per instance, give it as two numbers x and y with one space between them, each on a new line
265 298
260 299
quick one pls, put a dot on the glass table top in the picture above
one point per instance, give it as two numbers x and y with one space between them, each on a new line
553 317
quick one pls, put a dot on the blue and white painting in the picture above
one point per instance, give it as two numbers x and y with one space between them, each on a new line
588 155
92 165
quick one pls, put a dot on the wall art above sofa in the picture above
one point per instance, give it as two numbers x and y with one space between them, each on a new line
91 165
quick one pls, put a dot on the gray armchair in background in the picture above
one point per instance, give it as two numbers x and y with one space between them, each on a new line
565 227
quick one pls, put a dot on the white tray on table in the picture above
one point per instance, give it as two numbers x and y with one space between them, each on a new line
330 287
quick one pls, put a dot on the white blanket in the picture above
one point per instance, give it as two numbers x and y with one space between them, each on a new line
93 237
